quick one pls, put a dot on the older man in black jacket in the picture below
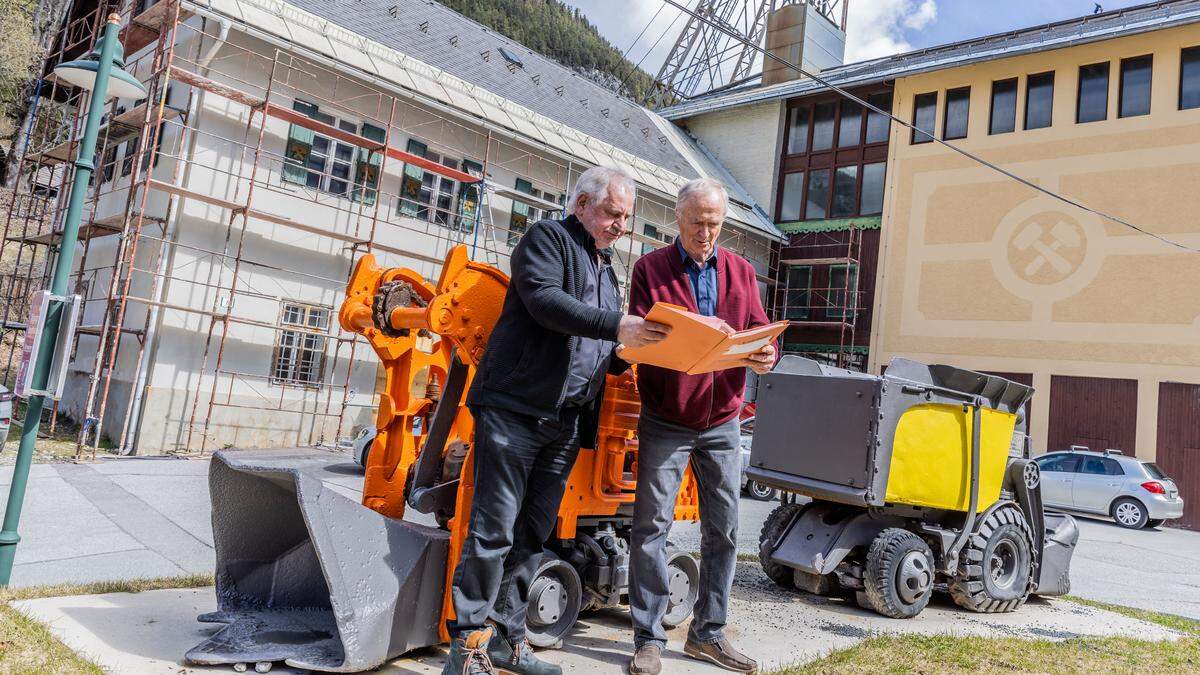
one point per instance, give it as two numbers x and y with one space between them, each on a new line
535 398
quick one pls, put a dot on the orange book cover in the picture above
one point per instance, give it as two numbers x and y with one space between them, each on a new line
697 344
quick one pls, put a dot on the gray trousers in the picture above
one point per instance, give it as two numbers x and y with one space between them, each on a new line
664 450
521 469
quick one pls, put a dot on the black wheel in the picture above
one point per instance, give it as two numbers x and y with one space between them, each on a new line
763 493
899 574
555 597
996 565
1155 522
683 585
1130 513
772 529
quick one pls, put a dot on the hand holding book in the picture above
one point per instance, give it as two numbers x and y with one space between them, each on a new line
702 344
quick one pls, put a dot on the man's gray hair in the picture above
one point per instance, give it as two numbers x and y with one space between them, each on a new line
595 183
702 186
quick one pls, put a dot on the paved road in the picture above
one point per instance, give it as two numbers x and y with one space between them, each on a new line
125 518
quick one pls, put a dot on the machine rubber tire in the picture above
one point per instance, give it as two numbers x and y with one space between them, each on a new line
763 493
555 599
1155 522
683 583
899 574
773 527
1129 513
996 565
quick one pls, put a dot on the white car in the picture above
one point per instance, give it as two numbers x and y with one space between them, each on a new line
1133 492
753 489
6 411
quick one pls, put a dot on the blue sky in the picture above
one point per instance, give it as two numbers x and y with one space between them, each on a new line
876 27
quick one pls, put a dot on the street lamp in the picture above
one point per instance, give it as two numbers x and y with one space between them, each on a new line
103 73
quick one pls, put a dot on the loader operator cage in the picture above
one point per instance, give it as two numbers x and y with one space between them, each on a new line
902 438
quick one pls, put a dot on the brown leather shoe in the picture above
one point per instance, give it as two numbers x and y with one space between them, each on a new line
647 660
721 653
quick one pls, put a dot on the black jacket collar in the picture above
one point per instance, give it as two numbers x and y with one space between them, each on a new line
584 238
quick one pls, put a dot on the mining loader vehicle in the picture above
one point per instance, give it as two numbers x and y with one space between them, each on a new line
920 480
311 577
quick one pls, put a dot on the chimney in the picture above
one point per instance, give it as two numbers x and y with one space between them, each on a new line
800 35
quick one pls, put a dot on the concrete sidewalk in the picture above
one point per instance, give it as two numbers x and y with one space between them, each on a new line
149 632
134 518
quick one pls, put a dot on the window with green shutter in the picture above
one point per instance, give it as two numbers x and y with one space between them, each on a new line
410 182
468 197
366 169
518 222
299 147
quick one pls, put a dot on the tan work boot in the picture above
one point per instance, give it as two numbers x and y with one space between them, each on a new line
647 660
469 656
721 653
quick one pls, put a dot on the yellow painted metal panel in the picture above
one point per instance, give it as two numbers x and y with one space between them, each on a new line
931 457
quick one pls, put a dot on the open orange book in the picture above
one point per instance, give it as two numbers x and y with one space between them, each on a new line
696 343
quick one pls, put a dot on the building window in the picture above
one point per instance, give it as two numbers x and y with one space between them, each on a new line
1004 107
850 124
1189 79
653 232
958 106
879 125
822 137
300 348
798 292
110 163
127 158
797 140
843 280
1134 97
816 205
524 214
1093 93
924 117
871 202
430 196
793 194
845 189
1039 100
330 165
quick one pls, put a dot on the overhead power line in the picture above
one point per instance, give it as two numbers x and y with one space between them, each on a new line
969 155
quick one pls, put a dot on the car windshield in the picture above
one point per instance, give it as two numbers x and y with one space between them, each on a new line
1154 471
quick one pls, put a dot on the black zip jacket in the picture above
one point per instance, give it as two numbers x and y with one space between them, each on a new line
528 357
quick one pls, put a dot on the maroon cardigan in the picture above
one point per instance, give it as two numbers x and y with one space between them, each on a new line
695 401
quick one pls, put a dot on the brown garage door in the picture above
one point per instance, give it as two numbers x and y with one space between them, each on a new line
1098 412
1179 444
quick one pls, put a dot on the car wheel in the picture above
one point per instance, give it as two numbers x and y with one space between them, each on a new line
763 493
1129 513
1155 522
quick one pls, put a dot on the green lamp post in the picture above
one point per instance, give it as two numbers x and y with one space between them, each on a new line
102 72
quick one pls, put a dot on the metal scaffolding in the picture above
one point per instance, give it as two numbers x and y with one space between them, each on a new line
173 50
820 294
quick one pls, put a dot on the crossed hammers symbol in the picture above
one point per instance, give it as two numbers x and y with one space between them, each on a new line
1062 234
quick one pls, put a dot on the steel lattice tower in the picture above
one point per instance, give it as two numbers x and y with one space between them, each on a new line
705 58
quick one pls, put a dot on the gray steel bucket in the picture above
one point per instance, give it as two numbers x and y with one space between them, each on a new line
309 576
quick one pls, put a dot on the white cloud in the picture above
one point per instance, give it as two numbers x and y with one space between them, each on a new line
876 28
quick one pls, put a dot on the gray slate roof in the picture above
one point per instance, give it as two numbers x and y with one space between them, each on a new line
1092 28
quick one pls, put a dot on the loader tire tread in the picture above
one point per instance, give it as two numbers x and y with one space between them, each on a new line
968 589
773 527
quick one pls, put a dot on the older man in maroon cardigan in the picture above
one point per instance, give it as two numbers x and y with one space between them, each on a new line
691 418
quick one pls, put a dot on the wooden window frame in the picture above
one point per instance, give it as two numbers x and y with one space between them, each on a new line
1016 83
1025 109
1183 54
842 310
805 311
1079 91
1121 86
835 157
946 113
921 139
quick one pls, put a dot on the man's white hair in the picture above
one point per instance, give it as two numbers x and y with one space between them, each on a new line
701 186
596 181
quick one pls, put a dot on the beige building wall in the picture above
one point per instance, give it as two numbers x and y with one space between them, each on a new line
960 280
746 142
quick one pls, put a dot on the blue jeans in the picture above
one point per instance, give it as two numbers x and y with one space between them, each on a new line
521 469
664 450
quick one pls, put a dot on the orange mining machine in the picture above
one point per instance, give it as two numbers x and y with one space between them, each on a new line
309 577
